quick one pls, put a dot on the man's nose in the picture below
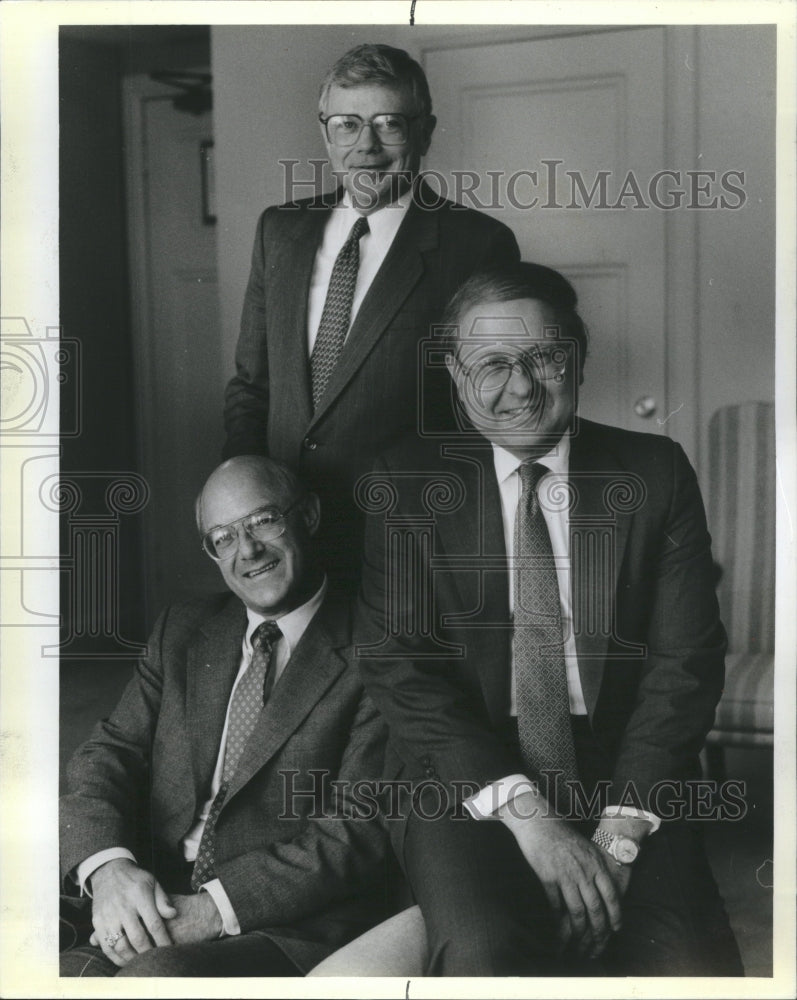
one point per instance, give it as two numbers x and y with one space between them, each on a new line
521 382
248 547
368 138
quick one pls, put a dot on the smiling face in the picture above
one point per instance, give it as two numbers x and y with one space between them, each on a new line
517 410
272 577
373 173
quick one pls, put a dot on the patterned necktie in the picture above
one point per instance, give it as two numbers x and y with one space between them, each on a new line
336 316
543 707
247 702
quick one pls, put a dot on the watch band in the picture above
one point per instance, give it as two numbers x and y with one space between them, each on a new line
603 839
616 846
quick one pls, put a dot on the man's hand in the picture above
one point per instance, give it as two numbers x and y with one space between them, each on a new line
583 884
129 901
197 919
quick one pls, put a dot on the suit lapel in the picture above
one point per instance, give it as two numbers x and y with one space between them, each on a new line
593 470
472 538
311 670
291 273
400 271
213 661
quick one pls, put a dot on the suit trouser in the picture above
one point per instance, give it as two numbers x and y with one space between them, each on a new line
487 914
252 954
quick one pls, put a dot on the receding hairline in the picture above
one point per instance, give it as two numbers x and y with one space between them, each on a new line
522 283
276 473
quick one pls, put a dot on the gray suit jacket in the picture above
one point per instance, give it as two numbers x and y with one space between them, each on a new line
139 781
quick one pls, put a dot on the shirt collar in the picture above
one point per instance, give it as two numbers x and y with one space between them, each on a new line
383 224
292 624
557 459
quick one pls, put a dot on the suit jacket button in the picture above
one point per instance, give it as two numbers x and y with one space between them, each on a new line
309 444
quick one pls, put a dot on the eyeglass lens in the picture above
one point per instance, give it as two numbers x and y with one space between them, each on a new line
263 525
344 130
494 372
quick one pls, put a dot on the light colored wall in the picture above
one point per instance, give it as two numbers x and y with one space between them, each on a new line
736 276
265 89
265 84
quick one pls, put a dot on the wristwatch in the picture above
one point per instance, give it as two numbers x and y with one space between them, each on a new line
622 849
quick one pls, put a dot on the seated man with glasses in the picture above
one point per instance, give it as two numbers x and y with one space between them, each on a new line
539 627
213 824
342 289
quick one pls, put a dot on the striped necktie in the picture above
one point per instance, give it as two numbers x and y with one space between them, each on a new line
543 707
247 702
336 317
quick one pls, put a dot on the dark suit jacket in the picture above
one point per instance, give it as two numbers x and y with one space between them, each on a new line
649 641
373 394
142 776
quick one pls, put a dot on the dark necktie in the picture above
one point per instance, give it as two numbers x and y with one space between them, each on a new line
543 707
251 692
336 316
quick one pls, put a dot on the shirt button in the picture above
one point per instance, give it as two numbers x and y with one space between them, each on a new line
309 444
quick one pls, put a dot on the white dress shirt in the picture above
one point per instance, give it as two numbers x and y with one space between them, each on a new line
292 625
383 224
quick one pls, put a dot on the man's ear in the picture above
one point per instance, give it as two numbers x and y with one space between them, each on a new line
311 513
453 366
427 128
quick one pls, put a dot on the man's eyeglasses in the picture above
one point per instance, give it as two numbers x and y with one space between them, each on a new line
390 129
264 525
493 371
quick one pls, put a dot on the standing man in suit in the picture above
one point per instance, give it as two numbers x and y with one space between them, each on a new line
551 667
201 818
344 287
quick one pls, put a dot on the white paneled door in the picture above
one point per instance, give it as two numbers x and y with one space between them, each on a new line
577 123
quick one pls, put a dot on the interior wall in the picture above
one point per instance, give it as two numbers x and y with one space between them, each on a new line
94 269
265 83
94 285
736 259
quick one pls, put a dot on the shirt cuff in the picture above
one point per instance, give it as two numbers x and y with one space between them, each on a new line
86 868
229 921
486 803
633 813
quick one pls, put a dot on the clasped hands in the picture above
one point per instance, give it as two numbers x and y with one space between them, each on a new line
132 913
584 885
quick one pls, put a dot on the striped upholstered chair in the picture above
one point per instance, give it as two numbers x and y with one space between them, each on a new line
741 513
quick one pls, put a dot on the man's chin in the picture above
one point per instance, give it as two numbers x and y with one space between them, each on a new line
369 189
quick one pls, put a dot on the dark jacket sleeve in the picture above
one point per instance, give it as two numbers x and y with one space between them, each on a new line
108 776
683 670
246 399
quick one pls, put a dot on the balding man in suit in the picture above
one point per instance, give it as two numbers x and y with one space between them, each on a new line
345 286
213 818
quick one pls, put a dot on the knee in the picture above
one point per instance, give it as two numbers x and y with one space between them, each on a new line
498 947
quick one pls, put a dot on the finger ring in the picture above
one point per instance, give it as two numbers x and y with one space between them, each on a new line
112 939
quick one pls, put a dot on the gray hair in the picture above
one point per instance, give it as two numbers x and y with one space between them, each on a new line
378 64
520 280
